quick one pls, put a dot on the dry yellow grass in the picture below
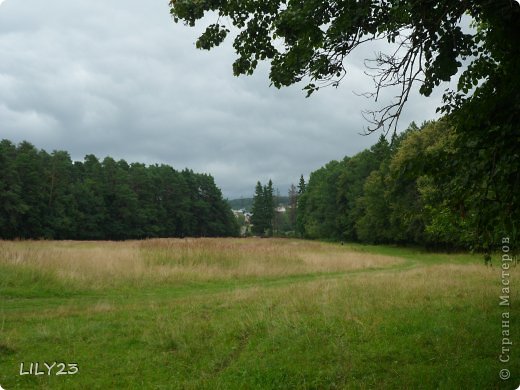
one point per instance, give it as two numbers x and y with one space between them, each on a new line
425 320
362 297
98 264
206 259
89 262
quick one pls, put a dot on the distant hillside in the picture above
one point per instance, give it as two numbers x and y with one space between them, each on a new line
247 203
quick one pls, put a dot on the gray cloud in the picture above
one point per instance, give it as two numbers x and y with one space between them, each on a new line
119 78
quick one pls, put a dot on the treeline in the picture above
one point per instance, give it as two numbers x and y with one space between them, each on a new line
426 186
48 196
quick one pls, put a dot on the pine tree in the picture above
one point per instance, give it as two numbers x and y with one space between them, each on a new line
301 185
258 218
11 203
269 207
300 209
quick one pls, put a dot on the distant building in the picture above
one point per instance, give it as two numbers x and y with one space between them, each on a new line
242 212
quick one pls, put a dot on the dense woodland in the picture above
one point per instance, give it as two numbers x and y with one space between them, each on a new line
48 196
453 184
415 189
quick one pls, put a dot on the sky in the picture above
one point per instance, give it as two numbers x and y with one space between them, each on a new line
119 78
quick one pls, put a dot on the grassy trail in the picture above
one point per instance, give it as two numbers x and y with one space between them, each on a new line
249 314
130 295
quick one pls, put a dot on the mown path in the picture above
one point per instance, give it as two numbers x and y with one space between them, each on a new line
130 296
32 303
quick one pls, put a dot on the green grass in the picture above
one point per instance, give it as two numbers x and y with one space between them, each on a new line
422 320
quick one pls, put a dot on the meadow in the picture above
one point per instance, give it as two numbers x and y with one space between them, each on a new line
252 314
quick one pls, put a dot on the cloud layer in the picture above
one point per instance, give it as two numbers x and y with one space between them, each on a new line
120 78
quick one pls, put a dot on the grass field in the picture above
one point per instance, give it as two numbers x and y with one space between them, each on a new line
251 314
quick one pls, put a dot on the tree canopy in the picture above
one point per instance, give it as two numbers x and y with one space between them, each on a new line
310 40
46 195
429 42
403 192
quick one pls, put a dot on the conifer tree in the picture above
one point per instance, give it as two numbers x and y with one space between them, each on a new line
258 218
269 206
301 185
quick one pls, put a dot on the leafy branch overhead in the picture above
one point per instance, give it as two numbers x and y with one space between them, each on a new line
311 39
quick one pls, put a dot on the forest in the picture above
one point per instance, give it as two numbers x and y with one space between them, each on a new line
412 190
455 183
47 195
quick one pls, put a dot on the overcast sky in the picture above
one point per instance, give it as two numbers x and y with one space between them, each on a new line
120 78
